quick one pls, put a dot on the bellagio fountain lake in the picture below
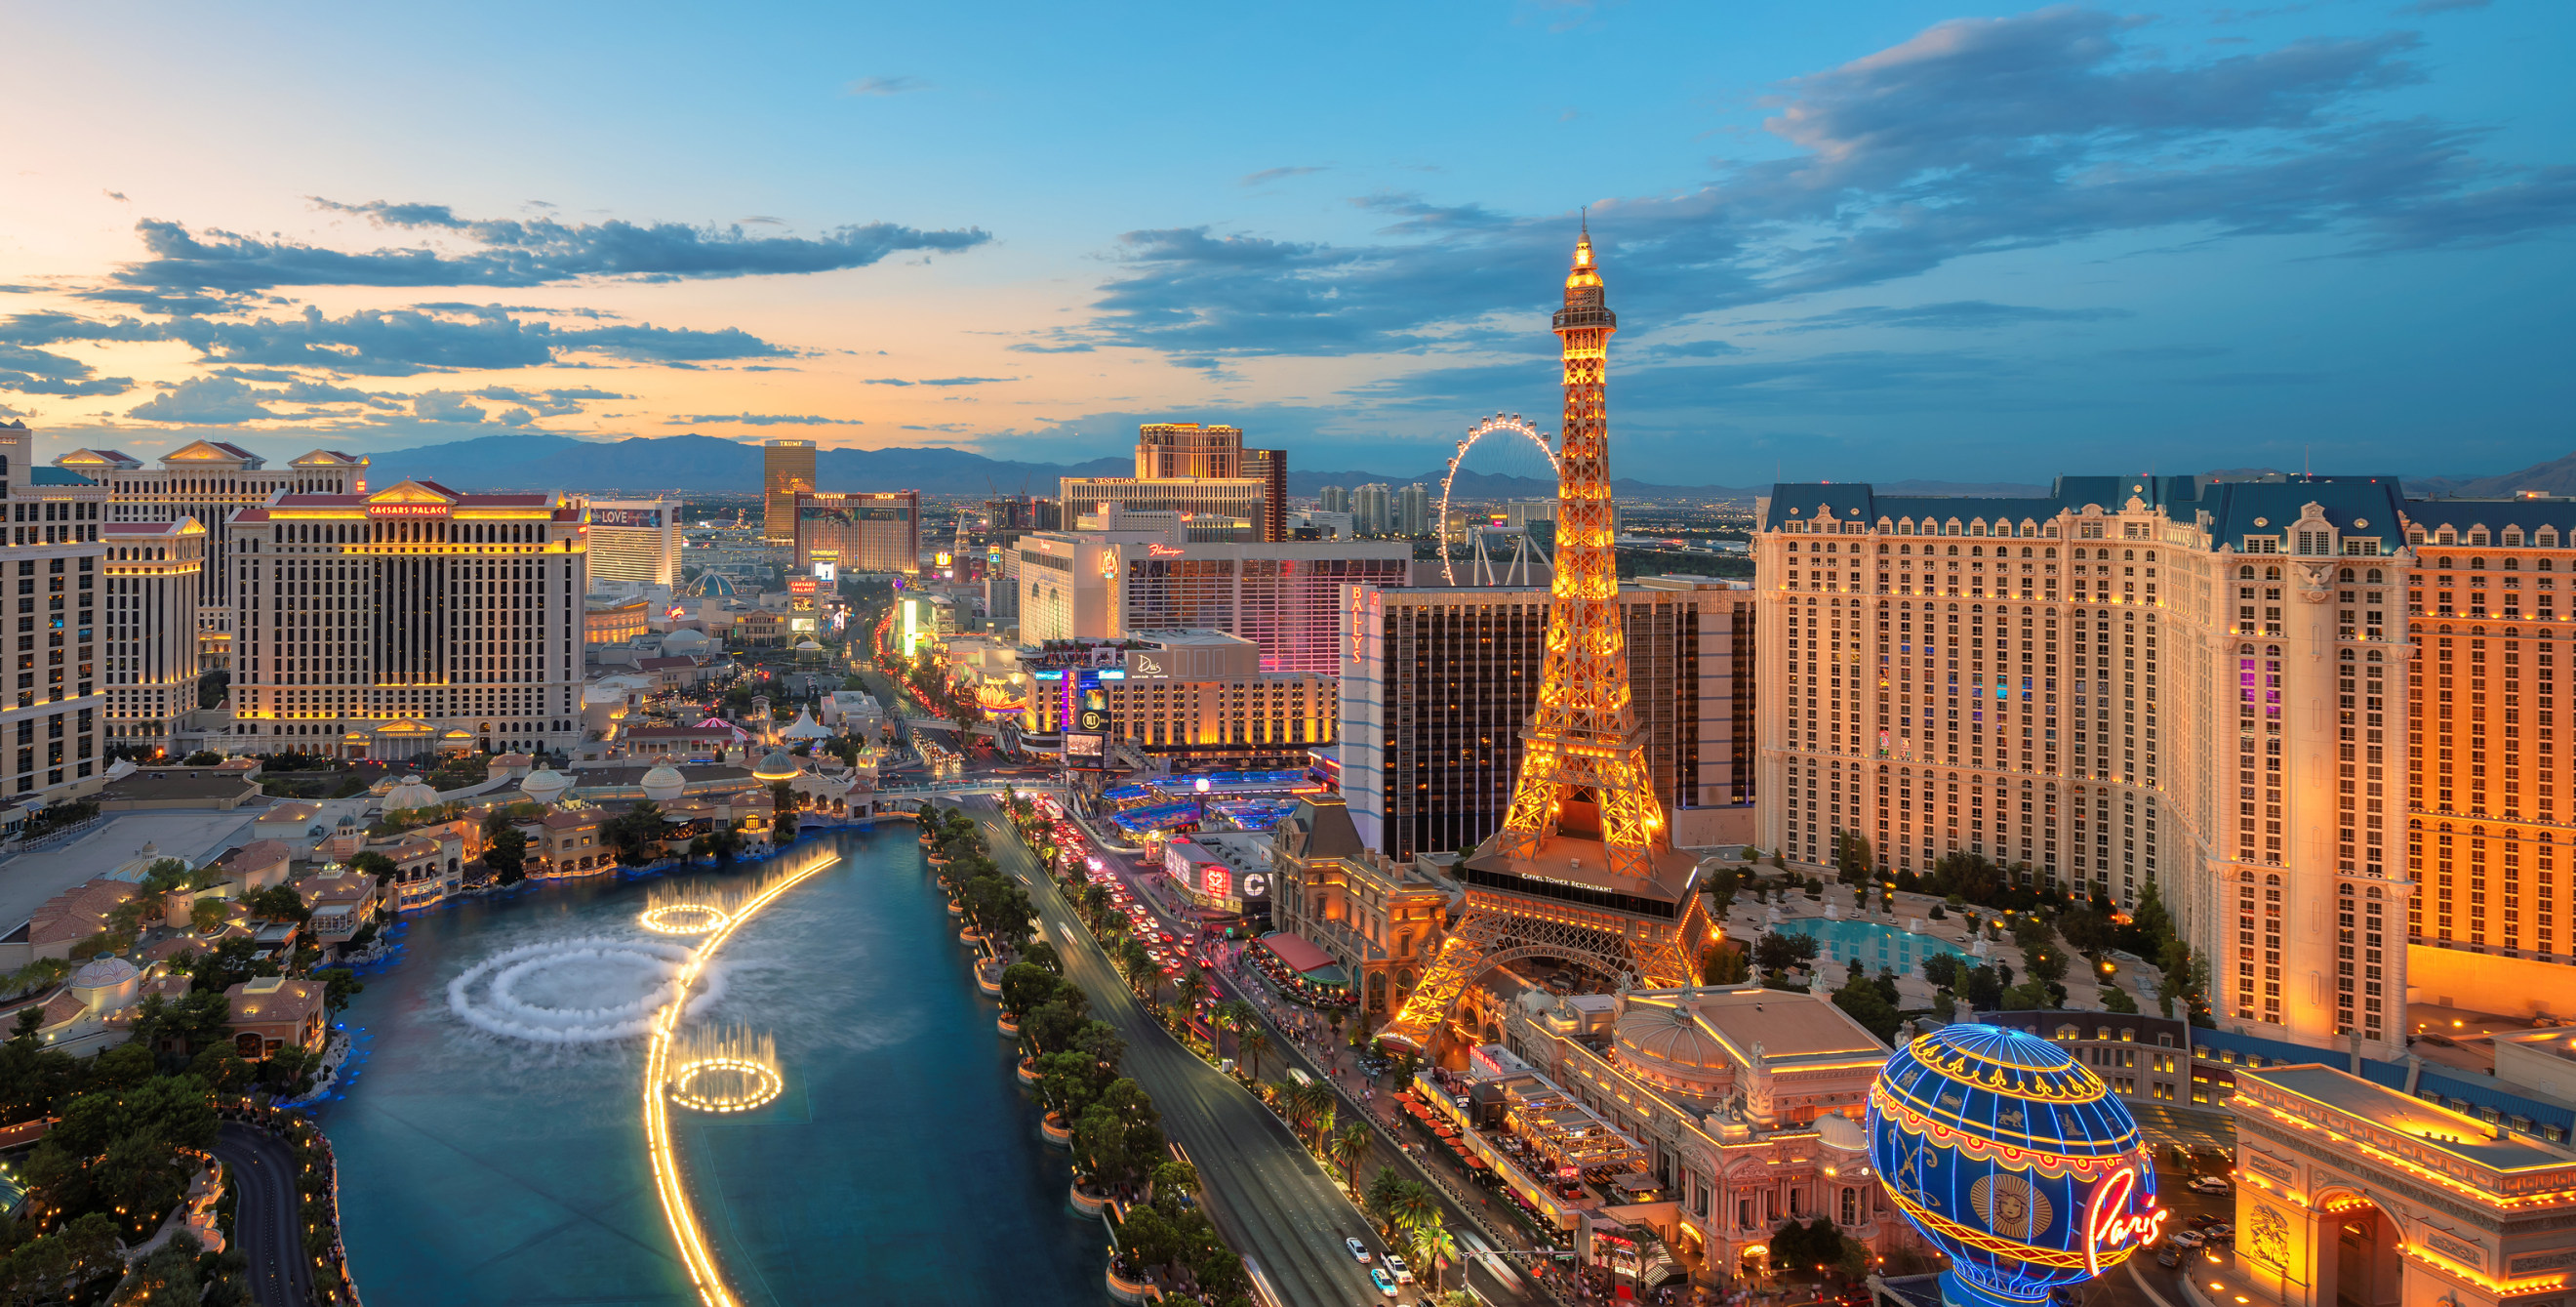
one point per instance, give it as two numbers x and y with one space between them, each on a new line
492 1141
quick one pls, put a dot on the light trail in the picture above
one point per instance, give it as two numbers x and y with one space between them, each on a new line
683 1218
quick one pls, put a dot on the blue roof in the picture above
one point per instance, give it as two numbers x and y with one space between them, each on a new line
54 476
2358 507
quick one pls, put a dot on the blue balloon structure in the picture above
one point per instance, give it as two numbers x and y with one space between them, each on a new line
2014 1159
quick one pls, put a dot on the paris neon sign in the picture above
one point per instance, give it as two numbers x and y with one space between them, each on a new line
2114 1218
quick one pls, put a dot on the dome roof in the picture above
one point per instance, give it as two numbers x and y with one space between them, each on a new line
711 585
807 645
104 973
1842 1134
686 640
545 785
780 765
664 783
411 792
1662 1036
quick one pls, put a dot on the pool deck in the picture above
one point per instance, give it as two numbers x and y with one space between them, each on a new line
1749 921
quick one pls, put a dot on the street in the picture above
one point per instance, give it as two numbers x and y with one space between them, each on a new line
1269 1199
1494 1282
267 1222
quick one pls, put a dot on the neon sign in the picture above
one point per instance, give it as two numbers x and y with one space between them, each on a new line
2109 1223
1164 551
1215 881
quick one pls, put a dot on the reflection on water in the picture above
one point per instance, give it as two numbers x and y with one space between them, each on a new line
492 1151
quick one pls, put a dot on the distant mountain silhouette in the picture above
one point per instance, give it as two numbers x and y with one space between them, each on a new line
706 464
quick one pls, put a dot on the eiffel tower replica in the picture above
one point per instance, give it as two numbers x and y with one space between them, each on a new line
1583 870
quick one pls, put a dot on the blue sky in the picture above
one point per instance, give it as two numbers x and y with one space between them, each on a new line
1904 240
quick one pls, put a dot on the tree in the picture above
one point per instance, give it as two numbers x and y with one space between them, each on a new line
2116 999
1851 857
1025 986
206 916
1383 1190
1860 999
1431 1244
1350 1148
1724 964
1778 951
278 903
372 863
506 854
1250 1043
1942 970
1412 1206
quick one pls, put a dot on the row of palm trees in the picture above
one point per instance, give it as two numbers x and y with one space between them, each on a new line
1408 1214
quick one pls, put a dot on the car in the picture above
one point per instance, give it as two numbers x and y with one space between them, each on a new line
1359 1251
2169 1256
2204 1220
2209 1184
2189 1240
2222 1234
1385 1283
1403 1273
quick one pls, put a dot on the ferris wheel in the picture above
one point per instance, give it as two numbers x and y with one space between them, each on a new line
1516 434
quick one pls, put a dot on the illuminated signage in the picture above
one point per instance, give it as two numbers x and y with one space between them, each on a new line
2113 1218
827 573
800 585
1214 881
1164 551
1256 885
649 519
407 510
800 624
1085 750
942 558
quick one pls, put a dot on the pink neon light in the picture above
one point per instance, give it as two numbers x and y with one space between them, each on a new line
2108 1222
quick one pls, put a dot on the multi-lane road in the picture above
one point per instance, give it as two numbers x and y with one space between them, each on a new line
267 1220
1272 1201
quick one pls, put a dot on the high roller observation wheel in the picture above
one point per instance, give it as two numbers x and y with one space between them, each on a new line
1500 424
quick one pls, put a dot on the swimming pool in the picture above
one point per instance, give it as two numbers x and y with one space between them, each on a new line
1876 945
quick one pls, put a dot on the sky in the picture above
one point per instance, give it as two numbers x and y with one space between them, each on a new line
1868 241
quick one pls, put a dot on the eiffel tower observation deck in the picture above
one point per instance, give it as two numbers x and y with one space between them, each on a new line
1583 870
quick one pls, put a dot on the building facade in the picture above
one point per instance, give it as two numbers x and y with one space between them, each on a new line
786 471
154 577
1381 918
2485 832
1202 696
636 541
870 531
2129 682
411 619
1283 597
210 480
1186 467
1437 682
50 722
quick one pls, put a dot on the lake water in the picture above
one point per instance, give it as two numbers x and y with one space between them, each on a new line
491 1147
1876 945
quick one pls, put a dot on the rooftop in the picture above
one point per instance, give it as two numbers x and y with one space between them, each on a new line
2422 1124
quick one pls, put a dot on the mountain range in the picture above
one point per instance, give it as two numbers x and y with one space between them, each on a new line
695 464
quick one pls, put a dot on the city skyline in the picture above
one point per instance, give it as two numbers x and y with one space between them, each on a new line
1927 242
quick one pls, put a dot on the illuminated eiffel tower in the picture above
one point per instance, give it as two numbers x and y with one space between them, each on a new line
1583 869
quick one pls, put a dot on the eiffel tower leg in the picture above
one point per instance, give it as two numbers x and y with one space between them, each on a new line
1461 957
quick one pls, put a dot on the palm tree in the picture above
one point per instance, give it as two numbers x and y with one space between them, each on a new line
1313 1104
1412 1206
1193 987
1431 1243
1250 1042
1351 1147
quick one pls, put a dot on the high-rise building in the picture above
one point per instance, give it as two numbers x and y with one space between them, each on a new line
786 471
2486 762
1437 682
395 623
1184 467
149 617
1270 467
1413 511
1372 509
870 531
2128 682
1283 597
1334 499
210 480
1584 866
636 541
1202 696
49 724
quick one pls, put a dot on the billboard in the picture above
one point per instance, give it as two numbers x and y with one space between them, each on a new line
1093 713
1089 751
827 573
649 519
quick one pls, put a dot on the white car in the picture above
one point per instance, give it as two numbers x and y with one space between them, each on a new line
1359 1251
1403 1273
